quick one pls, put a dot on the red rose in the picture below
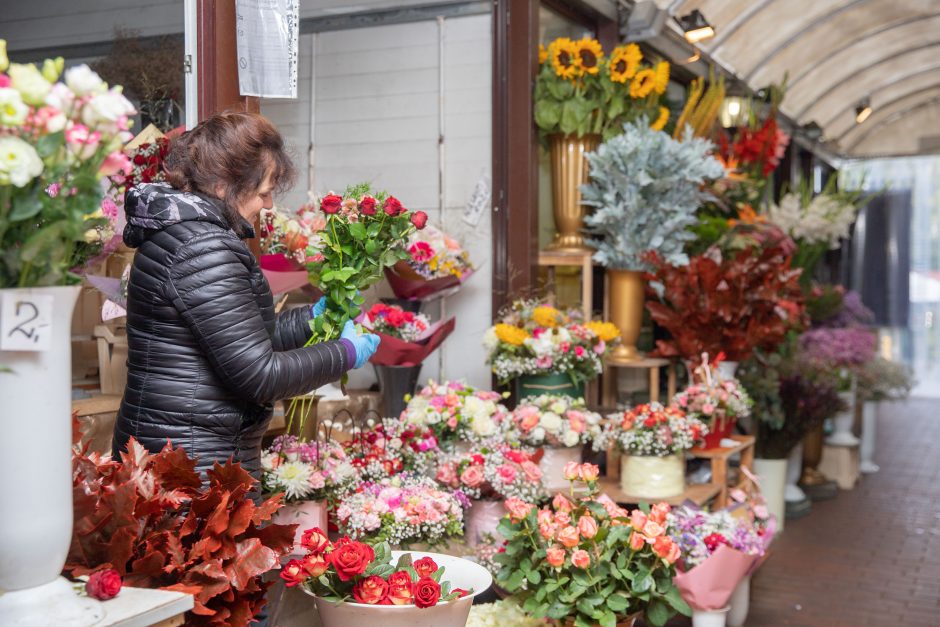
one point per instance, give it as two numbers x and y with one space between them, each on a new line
104 584
371 590
367 206
400 588
139 159
419 219
314 540
425 567
351 559
392 206
294 573
331 203
395 317
461 592
315 565
427 591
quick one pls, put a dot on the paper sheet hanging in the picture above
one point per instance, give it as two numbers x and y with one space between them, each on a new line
267 38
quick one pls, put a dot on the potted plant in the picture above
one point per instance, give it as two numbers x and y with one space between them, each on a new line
457 413
311 476
716 401
645 188
488 474
559 425
654 440
588 561
359 584
582 98
546 350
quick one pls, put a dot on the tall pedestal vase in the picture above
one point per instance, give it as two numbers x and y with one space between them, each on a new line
812 455
869 425
844 421
627 292
740 603
569 172
792 492
395 382
773 479
36 525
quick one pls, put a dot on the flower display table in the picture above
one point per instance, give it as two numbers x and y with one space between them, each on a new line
652 364
140 607
719 461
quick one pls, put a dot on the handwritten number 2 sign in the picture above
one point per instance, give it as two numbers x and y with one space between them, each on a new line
25 322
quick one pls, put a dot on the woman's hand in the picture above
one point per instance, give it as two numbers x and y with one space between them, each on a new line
318 307
365 344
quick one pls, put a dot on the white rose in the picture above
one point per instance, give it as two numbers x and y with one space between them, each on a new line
82 80
104 110
483 426
19 163
474 407
13 111
538 434
571 439
28 80
551 422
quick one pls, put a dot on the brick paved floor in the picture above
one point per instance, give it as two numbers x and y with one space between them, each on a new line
872 555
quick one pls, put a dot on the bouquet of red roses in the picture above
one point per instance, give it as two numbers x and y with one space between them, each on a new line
406 337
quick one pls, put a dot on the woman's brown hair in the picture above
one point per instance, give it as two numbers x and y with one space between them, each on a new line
234 150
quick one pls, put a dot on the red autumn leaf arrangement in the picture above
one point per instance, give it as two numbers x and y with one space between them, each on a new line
150 518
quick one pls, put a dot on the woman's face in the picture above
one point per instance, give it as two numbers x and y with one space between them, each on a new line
263 198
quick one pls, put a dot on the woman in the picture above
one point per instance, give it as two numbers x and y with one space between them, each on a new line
207 356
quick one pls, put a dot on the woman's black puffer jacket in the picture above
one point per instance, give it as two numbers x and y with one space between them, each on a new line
207 356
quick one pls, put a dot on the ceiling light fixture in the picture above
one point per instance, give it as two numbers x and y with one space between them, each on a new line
696 27
862 111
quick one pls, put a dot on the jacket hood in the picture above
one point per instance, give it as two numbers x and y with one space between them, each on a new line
152 207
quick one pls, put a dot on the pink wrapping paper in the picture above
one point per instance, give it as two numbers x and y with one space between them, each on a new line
283 274
709 585
395 352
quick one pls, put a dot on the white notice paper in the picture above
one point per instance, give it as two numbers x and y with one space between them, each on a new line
25 322
266 35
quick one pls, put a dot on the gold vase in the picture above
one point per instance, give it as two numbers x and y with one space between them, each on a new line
812 455
569 173
627 291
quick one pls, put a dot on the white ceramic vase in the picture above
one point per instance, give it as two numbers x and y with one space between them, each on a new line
869 434
773 478
652 477
793 493
740 603
482 518
36 528
459 572
553 463
727 369
843 421
709 618
304 514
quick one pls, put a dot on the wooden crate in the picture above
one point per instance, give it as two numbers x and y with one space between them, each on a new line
112 357
719 461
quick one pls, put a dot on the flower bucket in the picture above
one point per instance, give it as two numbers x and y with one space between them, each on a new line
709 618
553 463
304 514
459 572
482 518
554 383
740 603
650 477
717 431
773 480
395 382
569 173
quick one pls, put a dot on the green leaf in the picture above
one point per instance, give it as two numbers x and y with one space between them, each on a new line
534 577
47 145
515 581
643 582
404 561
547 114
608 619
587 608
674 598
25 207
657 613
358 230
437 574
559 610
617 603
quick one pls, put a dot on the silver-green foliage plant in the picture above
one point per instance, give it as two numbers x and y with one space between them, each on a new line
645 188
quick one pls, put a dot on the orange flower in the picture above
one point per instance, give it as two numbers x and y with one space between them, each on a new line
569 536
636 541
747 215
555 556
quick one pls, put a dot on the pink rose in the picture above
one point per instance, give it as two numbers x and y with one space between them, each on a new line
638 519
561 503
472 476
532 471
579 351
589 472
600 348
544 362
659 512
507 473
115 162
581 559
316 480
562 518
528 418
555 556
547 530
708 409
517 508
587 526
569 536
653 530
572 471
636 541
447 474
576 421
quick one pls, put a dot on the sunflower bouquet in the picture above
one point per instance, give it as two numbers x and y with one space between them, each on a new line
581 91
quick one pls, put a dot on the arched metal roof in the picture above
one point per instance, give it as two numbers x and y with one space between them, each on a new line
835 54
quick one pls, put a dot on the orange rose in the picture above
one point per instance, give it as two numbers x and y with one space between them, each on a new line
659 512
315 564
400 588
580 559
653 530
293 573
636 541
314 540
572 471
517 508
587 526
561 503
569 536
665 548
562 518
555 556
638 519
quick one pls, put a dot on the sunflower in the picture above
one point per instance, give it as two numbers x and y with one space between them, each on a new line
546 316
510 334
662 77
642 84
606 331
660 122
543 54
624 62
563 54
589 55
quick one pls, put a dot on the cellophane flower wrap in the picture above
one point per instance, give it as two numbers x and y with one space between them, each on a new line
587 559
401 510
555 420
433 254
59 141
713 399
394 321
531 337
363 572
454 411
306 471
492 471
652 430
391 447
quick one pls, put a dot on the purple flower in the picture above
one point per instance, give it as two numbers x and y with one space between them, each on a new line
851 346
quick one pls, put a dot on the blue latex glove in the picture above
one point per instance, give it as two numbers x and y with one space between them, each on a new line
318 307
365 344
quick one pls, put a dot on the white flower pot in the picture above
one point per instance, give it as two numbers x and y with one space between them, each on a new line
36 532
793 493
727 369
773 478
482 518
553 463
304 514
709 618
740 603
459 572
869 426
843 422
652 477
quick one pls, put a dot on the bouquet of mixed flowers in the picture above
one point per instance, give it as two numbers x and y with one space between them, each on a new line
589 560
715 401
348 570
306 471
402 509
406 338
493 471
395 322
392 447
457 412
533 338
552 420
653 430
296 237
436 264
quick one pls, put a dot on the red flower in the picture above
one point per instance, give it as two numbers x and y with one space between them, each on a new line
400 588
371 590
395 317
331 203
421 252
351 559
425 567
392 206
367 206
419 219
104 584
314 540
293 573
713 541
315 565
461 592
427 591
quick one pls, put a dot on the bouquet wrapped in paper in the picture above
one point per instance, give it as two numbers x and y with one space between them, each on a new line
407 338
437 265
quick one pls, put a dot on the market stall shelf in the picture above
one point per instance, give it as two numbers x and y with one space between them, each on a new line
719 461
140 607
699 493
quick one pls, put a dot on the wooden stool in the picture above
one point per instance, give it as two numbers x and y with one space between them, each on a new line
582 259
653 364
112 357
719 460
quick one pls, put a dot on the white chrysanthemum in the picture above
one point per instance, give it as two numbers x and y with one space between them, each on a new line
294 479
19 162
267 461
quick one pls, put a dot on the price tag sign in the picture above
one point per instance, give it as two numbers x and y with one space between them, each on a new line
25 322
